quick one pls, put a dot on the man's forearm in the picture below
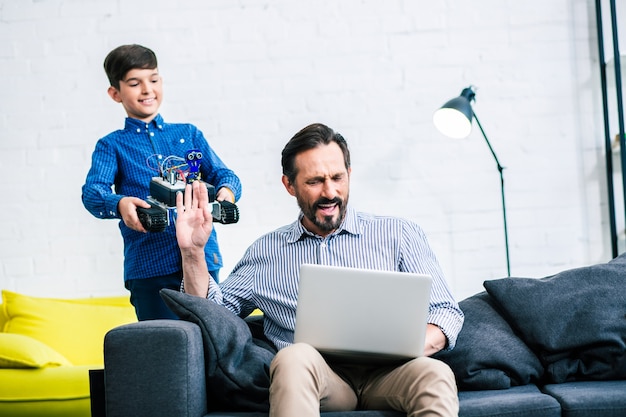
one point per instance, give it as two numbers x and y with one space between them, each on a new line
195 272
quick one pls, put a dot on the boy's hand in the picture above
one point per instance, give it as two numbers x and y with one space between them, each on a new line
127 207
194 222
225 194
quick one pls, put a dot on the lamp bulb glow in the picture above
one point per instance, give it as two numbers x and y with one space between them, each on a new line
452 123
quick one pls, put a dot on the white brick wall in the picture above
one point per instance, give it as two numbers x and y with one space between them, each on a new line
251 73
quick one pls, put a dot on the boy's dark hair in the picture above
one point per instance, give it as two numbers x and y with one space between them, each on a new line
308 138
125 58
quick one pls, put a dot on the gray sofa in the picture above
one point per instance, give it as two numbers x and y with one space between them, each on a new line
529 347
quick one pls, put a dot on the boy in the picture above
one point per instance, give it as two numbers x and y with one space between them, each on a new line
125 161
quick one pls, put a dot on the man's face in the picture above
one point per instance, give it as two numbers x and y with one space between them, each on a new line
140 93
321 187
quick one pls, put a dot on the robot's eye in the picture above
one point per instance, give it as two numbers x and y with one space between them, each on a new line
190 157
199 155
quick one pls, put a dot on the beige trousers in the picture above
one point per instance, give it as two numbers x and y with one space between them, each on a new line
303 384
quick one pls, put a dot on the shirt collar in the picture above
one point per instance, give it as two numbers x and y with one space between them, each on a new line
350 225
139 125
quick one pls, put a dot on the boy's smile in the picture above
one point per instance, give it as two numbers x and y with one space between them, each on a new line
140 93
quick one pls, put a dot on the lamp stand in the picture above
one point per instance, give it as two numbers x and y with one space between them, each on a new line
500 169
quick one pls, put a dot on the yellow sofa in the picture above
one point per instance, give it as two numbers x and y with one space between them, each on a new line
48 346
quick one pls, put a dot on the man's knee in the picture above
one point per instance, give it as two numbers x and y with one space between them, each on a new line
440 368
296 356
432 370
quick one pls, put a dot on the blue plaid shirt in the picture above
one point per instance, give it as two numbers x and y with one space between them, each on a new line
267 275
123 164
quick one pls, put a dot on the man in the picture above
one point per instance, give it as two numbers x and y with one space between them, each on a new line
316 170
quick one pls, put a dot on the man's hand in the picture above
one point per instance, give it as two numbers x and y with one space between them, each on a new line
194 221
435 340
127 207
194 224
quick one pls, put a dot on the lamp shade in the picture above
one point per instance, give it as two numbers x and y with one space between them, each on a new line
454 119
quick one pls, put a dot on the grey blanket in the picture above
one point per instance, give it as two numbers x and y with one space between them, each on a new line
237 364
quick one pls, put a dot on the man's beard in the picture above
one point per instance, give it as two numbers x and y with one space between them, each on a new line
328 223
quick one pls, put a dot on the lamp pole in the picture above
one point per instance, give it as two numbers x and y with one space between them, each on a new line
500 169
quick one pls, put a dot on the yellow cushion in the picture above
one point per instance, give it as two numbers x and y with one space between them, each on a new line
74 328
3 318
59 391
19 351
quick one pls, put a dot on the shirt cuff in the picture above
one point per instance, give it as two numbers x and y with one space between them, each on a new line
111 204
450 324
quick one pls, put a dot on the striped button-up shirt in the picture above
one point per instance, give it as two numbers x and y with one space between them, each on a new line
267 275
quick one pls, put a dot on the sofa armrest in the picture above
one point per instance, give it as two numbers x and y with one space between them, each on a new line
155 367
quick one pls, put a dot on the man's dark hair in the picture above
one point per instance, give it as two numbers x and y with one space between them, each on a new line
311 137
125 58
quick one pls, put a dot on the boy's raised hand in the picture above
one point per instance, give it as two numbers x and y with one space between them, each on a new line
194 222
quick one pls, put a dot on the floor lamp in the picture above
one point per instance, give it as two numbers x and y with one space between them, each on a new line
454 119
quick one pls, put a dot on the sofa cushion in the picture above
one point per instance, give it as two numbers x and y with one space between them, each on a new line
574 320
358 413
523 401
488 354
236 364
50 391
590 398
74 328
19 351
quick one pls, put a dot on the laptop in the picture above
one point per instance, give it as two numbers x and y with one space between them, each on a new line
362 315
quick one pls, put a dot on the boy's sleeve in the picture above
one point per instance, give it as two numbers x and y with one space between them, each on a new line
214 171
97 194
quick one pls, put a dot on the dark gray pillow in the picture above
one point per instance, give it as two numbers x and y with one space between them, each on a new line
575 321
488 353
236 364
